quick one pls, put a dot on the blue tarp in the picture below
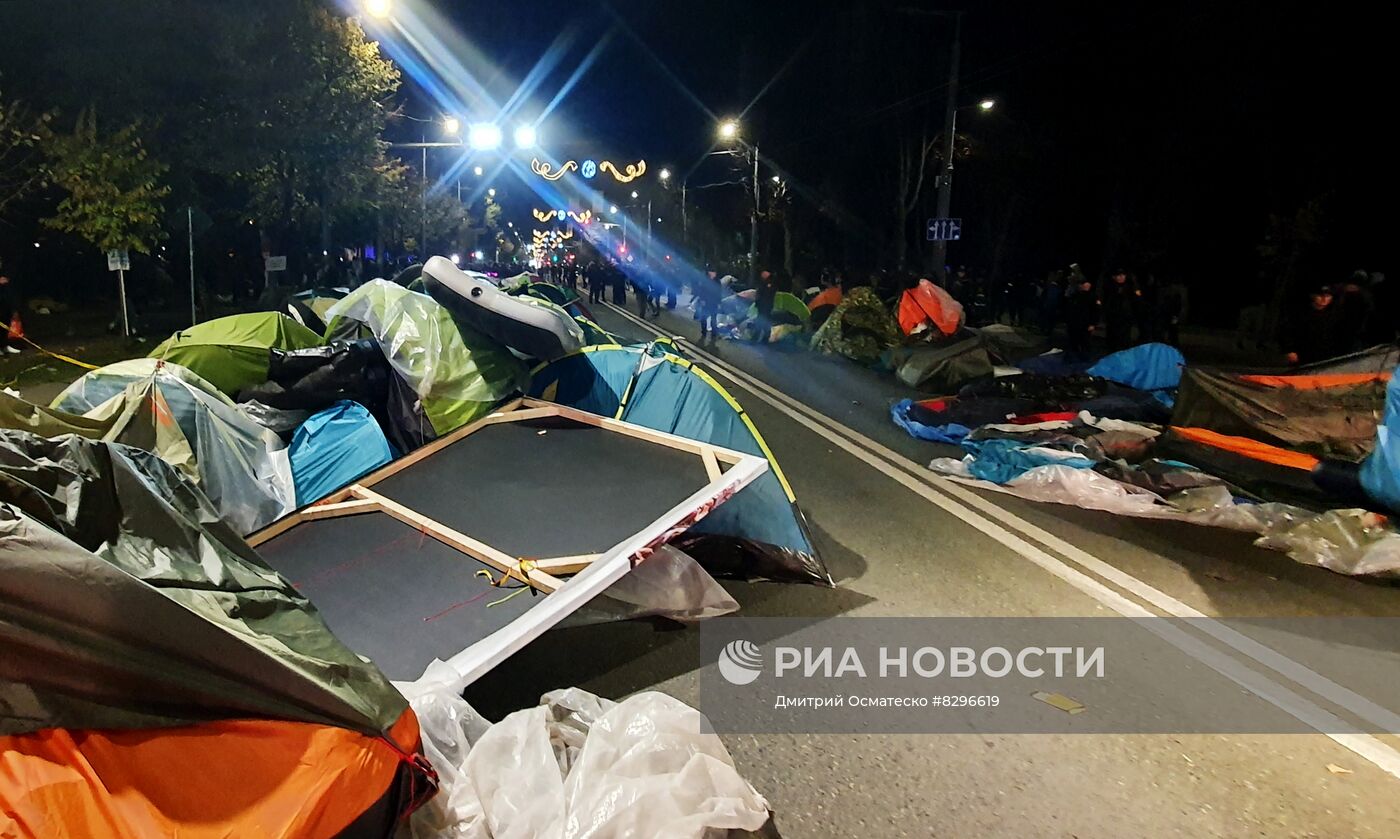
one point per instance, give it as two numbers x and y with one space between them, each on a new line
1380 472
655 389
999 460
1145 367
951 433
335 447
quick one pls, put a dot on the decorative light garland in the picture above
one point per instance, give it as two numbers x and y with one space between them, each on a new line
589 169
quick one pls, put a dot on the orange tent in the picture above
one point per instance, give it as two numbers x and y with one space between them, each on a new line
828 297
929 304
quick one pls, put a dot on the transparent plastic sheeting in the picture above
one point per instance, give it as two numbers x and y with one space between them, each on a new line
669 584
1351 541
576 767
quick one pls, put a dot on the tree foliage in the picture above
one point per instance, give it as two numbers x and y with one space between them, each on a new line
23 132
113 190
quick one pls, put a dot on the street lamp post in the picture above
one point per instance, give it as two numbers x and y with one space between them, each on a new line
729 130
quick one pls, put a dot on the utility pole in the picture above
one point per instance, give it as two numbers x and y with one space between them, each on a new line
189 228
753 226
950 129
423 242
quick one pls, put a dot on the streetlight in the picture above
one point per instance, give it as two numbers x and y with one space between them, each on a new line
729 129
484 136
491 192
945 183
634 193
665 174
777 179
526 136
987 104
613 209
451 126
478 171
379 8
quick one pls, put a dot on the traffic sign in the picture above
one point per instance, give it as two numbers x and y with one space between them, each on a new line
944 229
275 263
118 260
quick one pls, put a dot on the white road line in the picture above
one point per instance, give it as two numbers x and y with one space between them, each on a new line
959 503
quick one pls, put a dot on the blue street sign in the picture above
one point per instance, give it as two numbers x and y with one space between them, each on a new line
944 229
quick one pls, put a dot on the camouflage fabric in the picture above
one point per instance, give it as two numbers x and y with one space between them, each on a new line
860 328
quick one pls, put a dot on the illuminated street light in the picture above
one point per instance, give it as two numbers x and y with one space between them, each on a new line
478 171
729 129
613 209
634 193
526 137
451 126
777 179
379 8
987 104
665 174
491 192
484 136
456 259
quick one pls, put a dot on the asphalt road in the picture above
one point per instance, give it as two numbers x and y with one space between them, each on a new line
903 543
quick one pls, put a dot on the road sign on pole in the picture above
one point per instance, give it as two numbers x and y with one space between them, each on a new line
944 229
118 260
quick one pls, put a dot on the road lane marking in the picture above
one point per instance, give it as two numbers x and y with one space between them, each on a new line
964 505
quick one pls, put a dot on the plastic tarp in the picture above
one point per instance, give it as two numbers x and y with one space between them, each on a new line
860 328
950 433
333 448
231 353
456 374
317 378
97 387
1347 541
1145 367
943 368
656 389
1380 472
242 467
153 661
928 304
578 766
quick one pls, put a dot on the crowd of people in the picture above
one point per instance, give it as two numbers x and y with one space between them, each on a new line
1336 319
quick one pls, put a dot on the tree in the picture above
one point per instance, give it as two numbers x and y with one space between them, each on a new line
913 160
23 132
113 187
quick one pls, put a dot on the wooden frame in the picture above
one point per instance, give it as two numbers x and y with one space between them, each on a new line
727 471
358 498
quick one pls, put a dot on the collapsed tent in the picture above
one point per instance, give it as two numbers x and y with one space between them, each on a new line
929 308
242 467
333 448
231 353
455 374
860 328
1326 414
1380 473
1145 367
943 368
309 308
760 532
98 387
160 679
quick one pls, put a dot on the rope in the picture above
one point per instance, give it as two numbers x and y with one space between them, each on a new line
59 356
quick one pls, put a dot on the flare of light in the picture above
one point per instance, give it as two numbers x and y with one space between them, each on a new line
484 136
526 137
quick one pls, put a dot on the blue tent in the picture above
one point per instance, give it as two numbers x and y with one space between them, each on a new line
1380 472
1145 367
335 447
760 530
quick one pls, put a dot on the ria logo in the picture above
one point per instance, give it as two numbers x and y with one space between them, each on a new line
740 662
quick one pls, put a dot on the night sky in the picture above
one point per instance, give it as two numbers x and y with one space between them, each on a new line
1159 136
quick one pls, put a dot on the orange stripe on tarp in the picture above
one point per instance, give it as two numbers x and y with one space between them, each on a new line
1248 448
217 779
1318 382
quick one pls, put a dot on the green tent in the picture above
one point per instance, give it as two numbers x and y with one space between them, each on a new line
860 328
457 373
231 353
787 309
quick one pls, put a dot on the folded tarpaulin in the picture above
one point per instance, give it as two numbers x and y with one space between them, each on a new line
1001 460
1145 367
1380 473
943 368
951 433
333 448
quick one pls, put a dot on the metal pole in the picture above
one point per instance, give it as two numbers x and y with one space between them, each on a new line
423 242
189 226
685 222
753 226
121 291
648 228
950 128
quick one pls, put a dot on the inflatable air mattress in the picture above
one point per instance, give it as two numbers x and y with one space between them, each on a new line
529 326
